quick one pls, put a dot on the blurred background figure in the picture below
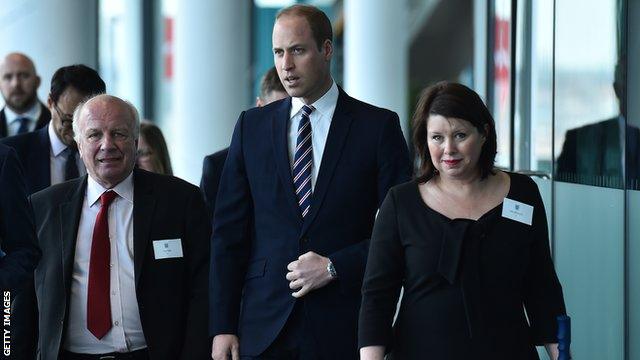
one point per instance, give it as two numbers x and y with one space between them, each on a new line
49 155
271 90
153 154
23 112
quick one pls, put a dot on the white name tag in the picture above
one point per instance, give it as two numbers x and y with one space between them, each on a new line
166 249
517 211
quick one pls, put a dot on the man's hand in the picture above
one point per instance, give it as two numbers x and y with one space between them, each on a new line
308 273
225 345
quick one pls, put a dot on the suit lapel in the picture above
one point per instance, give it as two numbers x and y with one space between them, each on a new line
144 204
45 116
70 213
336 138
39 161
279 136
3 124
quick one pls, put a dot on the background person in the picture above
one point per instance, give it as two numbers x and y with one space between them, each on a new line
49 155
19 253
467 242
153 154
271 90
19 83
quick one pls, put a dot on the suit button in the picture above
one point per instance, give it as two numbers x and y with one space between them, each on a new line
304 240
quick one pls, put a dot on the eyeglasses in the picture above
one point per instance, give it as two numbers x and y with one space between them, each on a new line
61 115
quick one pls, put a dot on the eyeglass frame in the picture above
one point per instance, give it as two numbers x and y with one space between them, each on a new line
61 115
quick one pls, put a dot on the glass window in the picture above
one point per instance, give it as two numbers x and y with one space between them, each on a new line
501 95
165 62
589 221
589 127
534 92
120 49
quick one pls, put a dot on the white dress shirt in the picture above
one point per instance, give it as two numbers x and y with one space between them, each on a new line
58 158
125 334
13 125
320 122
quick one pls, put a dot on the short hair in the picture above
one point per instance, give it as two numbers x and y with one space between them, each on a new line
132 109
319 23
153 137
452 100
81 77
270 83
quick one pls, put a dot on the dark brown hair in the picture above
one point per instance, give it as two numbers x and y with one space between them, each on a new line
318 21
154 139
270 83
452 100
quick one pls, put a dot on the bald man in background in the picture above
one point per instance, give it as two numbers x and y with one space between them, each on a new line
19 83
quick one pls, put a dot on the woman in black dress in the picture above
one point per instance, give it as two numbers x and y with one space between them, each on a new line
467 242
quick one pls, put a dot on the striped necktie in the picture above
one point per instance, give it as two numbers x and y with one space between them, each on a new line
303 162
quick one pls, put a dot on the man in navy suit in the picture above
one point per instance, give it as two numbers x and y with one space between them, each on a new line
298 196
49 155
19 83
20 252
271 89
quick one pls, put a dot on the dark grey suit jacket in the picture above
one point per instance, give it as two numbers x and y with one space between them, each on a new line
171 293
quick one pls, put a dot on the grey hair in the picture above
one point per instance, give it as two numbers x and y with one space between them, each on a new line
132 109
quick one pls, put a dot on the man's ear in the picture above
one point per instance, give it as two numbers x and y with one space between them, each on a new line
327 49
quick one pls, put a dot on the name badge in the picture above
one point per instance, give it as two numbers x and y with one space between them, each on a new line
517 211
167 249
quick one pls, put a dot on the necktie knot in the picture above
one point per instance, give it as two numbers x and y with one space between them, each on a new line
107 197
71 154
24 124
70 167
307 110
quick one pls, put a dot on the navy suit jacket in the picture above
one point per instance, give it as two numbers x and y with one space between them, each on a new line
17 230
259 228
34 150
211 173
43 120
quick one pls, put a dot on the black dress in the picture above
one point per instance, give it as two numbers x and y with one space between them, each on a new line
466 283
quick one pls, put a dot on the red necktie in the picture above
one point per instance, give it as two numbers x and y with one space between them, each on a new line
98 302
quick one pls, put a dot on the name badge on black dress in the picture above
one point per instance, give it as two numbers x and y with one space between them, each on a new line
517 211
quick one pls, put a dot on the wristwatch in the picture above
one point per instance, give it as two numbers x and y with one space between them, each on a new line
331 270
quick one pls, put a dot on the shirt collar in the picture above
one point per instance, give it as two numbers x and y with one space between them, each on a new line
124 189
33 113
322 106
57 146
